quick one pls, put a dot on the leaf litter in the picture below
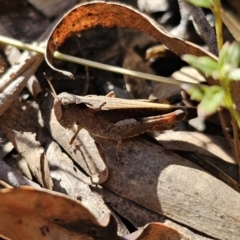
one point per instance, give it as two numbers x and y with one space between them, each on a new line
154 178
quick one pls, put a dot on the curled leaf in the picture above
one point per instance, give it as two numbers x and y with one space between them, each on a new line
89 15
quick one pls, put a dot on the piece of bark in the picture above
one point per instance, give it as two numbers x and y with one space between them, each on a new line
206 31
83 151
170 185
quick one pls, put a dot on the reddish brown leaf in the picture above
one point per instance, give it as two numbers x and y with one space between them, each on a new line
89 15
28 213
156 231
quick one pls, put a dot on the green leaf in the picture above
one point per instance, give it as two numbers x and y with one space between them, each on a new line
204 64
196 92
211 101
201 3
223 55
234 74
234 54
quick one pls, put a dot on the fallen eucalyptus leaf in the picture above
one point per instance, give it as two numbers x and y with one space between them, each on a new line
31 150
154 231
139 216
89 15
71 181
163 182
199 143
28 213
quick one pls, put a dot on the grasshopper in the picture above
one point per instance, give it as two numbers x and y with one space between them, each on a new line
114 118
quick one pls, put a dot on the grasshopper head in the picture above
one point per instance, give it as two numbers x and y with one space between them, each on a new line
62 114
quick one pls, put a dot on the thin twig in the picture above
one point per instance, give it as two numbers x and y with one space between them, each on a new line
24 46
206 31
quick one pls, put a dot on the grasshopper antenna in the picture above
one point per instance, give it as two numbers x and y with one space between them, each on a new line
53 92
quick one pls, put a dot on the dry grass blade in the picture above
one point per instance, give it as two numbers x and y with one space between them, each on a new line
106 67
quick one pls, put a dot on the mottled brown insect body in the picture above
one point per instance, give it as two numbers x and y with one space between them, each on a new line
98 115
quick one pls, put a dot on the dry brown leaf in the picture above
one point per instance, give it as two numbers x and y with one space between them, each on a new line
157 231
31 150
29 214
69 180
198 143
165 183
89 15
139 216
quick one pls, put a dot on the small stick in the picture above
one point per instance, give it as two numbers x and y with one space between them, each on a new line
53 92
206 31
